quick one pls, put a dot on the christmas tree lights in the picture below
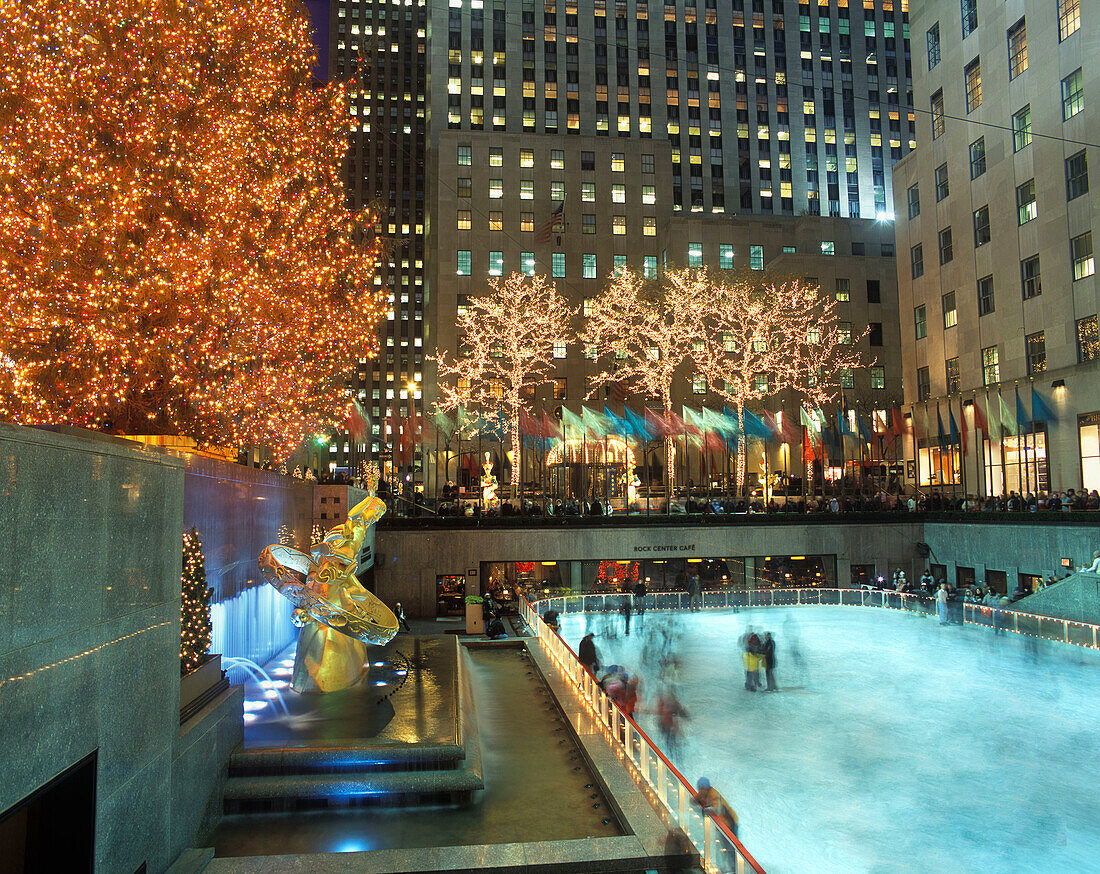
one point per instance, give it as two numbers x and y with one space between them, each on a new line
644 332
507 344
195 627
175 252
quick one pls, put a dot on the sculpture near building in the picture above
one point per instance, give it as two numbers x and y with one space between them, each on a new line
338 617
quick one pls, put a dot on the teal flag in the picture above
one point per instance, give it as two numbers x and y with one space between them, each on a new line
1040 411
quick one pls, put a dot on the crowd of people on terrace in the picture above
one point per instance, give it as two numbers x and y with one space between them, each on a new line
1012 502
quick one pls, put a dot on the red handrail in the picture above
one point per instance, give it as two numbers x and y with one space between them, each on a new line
722 826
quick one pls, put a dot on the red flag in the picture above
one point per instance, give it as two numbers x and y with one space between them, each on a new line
657 424
807 446
549 428
528 426
618 392
964 431
979 419
897 422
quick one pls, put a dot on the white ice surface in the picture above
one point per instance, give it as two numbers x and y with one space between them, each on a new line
895 744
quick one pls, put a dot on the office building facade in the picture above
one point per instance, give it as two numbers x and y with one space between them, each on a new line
733 133
998 294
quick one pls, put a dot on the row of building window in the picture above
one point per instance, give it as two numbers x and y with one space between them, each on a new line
1082 264
617 162
1069 22
464 188
1072 101
1076 175
527 223
1035 355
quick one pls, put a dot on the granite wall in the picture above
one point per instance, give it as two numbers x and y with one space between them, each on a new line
1015 548
237 511
89 629
90 567
1076 598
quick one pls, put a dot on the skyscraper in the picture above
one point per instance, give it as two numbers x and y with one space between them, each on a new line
568 138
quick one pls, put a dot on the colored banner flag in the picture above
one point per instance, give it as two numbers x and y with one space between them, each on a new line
1008 419
572 425
964 432
1022 418
1040 410
637 425
861 426
807 445
754 427
528 425
615 423
941 438
656 424
843 425
993 419
980 422
953 429
809 421
594 424
550 427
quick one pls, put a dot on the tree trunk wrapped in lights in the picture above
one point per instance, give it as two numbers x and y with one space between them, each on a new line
643 331
506 344
175 251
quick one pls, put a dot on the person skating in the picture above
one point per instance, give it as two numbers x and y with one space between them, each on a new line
626 608
587 654
750 655
694 592
767 651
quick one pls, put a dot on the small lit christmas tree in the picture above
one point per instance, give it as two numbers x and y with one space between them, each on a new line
195 627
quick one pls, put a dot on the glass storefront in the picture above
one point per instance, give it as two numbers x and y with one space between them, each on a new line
1017 463
1088 432
659 575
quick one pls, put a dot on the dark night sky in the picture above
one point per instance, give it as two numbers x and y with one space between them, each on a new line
318 14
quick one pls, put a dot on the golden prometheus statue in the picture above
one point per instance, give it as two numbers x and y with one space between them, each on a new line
338 617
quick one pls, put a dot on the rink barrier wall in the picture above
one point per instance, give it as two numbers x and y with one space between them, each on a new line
999 619
665 787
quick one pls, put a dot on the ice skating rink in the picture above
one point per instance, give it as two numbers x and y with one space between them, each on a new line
894 745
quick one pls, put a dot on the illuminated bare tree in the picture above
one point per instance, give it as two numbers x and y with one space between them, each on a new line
765 336
644 331
506 344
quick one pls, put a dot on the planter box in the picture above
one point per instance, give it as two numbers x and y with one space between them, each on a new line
475 619
201 686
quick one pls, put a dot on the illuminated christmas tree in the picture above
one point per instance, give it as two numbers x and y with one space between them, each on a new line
175 252
643 332
507 344
195 627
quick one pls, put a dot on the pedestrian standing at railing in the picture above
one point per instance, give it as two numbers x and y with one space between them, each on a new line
711 801
587 654
941 603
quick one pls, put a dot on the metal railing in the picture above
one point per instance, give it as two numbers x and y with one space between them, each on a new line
659 779
997 618
1032 625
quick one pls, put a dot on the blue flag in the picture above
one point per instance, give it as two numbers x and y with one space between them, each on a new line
1040 410
1021 417
939 432
954 434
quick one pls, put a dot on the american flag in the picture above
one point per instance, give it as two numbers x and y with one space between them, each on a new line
554 224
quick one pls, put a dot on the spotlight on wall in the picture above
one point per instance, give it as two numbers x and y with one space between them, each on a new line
1058 383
